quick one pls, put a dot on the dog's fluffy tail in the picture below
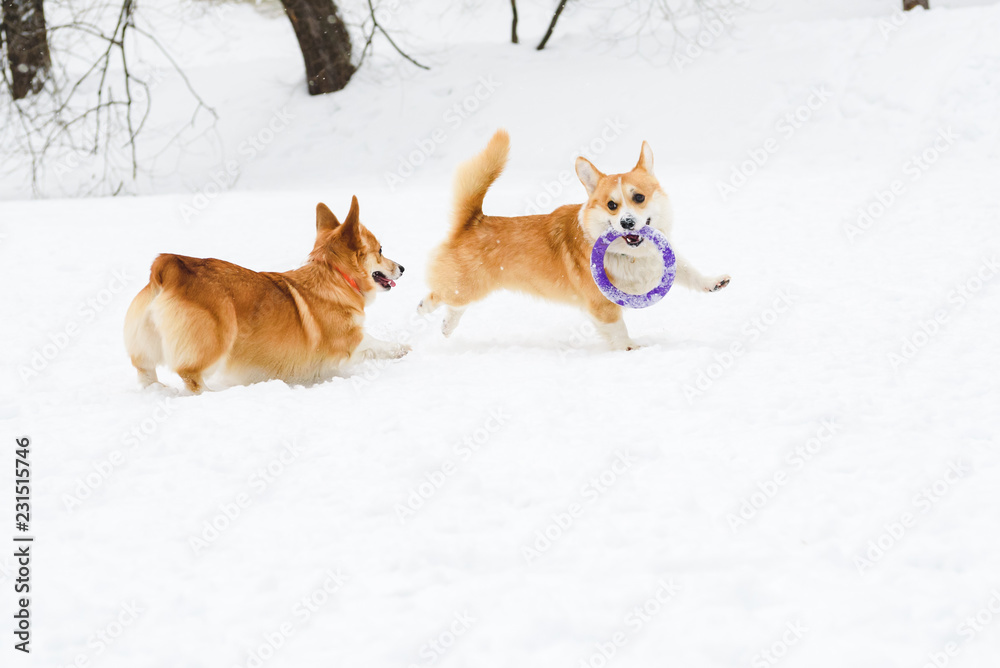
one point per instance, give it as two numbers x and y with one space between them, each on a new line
474 177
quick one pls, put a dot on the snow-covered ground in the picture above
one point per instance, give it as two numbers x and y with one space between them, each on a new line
800 470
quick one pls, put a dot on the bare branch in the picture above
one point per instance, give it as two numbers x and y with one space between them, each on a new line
377 27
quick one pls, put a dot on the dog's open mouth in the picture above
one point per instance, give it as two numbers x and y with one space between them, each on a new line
632 240
383 280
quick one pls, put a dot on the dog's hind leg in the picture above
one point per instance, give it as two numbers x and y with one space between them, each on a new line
192 379
428 304
452 317
195 338
142 339
456 287
453 312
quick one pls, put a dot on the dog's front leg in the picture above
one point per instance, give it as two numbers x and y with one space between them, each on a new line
372 348
610 324
693 279
616 334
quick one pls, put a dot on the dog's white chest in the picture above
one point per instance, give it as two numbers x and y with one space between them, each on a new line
637 275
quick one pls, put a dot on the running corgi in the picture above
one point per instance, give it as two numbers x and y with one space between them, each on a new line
549 255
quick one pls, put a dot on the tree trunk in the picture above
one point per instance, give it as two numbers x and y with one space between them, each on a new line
552 25
910 4
324 41
513 23
27 45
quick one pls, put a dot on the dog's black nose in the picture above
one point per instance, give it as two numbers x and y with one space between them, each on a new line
628 223
401 269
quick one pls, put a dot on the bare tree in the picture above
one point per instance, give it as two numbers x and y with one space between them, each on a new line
80 133
324 41
91 114
23 33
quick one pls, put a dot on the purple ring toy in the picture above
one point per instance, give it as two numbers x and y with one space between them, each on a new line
626 298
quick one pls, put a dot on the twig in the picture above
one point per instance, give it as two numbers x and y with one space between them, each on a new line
376 26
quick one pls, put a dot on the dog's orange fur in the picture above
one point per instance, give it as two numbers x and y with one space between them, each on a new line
545 255
196 315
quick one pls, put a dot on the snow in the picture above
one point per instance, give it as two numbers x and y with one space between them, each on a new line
516 492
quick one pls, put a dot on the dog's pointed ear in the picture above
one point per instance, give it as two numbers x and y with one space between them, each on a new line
325 220
645 158
589 175
354 215
351 227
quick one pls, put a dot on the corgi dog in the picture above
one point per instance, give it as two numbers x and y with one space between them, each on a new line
549 255
197 315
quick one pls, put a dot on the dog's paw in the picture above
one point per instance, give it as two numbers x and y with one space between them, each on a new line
427 305
393 351
451 320
716 284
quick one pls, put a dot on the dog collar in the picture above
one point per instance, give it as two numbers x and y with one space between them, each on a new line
347 278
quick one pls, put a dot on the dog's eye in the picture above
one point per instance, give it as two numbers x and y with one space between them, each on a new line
380 250
638 199
612 205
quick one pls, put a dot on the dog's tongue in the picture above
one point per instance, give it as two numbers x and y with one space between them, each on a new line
392 283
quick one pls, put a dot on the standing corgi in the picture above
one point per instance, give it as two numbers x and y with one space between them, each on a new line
549 255
198 315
